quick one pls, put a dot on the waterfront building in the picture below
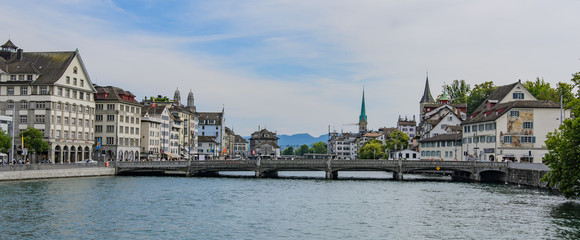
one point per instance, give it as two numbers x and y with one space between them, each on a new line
264 143
176 127
52 92
207 147
157 114
151 136
446 147
511 124
241 146
187 139
343 146
407 126
118 124
405 154
212 124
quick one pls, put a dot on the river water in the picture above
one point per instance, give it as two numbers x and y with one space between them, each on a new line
285 208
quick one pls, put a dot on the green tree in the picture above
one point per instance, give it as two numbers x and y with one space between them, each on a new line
458 91
398 140
32 138
288 151
303 149
372 149
319 147
5 141
479 93
563 158
542 90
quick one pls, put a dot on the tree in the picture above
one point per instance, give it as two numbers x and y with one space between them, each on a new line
372 149
319 147
303 149
398 140
5 141
479 93
542 90
563 158
32 139
288 151
458 91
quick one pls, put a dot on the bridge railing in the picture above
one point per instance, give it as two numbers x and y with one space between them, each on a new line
147 164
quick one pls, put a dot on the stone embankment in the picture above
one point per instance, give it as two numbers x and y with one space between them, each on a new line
41 171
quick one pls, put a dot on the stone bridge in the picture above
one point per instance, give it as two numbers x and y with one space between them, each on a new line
478 171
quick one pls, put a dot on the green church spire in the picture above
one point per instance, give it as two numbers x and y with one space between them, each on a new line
363 112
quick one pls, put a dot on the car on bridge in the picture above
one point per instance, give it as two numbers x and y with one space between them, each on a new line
87 161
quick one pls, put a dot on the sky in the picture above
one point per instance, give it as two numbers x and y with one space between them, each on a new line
296 66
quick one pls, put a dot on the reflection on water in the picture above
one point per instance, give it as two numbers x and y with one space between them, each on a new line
566 217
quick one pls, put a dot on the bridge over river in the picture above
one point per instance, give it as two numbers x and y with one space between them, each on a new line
477 171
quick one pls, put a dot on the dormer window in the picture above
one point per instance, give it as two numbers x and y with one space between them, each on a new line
518 95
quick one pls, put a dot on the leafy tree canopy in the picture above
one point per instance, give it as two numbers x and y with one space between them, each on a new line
318 147
542 90
303 149
458 91
398 140
372 149
32 138
563 158
5 141
479 93
288 151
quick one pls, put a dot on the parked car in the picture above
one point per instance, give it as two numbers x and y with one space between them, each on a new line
87 161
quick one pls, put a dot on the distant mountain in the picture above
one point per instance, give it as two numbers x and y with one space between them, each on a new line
299 139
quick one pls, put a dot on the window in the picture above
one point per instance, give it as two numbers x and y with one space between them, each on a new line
99 106
67 93
23 91
24 105
481 127
81 95
80 136
29 77
73 121
528 125
58 120
75 70
110 118
40 105
110 106
507 139
82 83
23 119
514 113
110 140
10 91
73 108
98 128
58 106
66 107
121 129
65 120
99 118
60 91
75 81
518 95
528 139
43 90
39 119
474 128
110 128
466 129
58 133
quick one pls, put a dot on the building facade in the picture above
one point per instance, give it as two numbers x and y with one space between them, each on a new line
118 124
212 124
51 92
264 143
511 124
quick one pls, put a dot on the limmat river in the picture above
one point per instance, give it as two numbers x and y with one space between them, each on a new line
141 207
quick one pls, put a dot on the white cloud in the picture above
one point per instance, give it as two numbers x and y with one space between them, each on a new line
387 46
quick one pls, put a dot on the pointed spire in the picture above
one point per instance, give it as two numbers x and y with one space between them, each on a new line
363 112
427 93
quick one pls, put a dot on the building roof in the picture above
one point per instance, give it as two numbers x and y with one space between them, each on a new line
50 66
497 95
240 139
495 112
373 134
427 98
206 139
207 117
443 137
9 44
264 134
363 112
114 94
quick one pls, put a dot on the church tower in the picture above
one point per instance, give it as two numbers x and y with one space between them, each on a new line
190 102
427 98
177 97
362 119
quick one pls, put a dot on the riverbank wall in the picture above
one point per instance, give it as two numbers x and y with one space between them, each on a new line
18 175
528 174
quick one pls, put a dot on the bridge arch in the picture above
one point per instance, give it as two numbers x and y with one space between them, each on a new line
493 176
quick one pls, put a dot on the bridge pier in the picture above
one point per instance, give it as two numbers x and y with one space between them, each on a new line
475 177
331 175
266 174
398 175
